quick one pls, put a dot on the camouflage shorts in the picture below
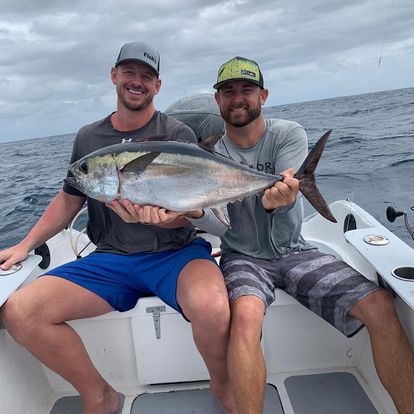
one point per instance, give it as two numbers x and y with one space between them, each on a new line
324 284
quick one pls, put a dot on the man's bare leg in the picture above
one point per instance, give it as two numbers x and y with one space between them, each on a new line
35 317
246 362
393 356
202 295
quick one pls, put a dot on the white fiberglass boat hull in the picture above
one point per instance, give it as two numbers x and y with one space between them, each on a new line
150 350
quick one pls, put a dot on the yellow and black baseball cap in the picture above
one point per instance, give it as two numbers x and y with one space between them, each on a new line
239 68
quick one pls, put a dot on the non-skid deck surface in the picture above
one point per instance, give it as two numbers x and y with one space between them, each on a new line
74 405
193 401
337 392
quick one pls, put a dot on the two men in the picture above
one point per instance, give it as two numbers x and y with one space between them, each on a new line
264 244
131 260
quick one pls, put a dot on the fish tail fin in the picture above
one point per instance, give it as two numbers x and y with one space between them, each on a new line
222 214
313 195
307 182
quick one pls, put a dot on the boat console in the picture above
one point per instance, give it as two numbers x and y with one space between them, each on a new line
392 259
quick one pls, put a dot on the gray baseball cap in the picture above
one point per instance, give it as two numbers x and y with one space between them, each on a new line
141 52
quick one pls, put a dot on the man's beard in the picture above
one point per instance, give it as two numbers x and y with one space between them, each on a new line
251 115
135 106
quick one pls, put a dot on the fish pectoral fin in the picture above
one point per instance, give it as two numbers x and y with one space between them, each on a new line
141 163
222 214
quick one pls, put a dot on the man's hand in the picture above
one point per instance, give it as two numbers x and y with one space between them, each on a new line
283 193
12 255
136 213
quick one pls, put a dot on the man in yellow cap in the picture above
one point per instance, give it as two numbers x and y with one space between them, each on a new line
263 250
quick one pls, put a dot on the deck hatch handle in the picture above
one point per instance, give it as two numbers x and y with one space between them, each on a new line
156 317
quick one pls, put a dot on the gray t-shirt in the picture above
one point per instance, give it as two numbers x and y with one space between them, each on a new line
105 228
254 231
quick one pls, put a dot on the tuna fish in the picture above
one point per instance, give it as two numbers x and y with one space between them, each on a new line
182 177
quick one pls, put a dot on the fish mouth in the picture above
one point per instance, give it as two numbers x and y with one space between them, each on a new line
73 168
73 183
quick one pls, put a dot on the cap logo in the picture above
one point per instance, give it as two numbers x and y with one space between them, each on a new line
247 73
148 56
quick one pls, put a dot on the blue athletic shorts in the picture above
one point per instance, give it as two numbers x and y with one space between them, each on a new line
122 279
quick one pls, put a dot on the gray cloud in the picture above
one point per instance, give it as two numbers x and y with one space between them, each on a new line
55 57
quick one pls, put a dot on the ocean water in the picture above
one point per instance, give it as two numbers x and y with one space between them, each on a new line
368 159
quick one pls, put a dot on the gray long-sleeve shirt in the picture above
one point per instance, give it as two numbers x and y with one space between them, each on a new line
255 232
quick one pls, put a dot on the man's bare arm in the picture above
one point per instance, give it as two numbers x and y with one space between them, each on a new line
60 212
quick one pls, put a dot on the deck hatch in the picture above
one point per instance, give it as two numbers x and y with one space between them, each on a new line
74 405
194 401
335 392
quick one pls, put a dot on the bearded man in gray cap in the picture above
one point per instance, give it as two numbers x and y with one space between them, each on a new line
189 280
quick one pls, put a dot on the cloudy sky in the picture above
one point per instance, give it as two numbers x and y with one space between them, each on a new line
56 55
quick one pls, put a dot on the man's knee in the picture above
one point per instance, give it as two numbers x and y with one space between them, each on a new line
247 314
17 315
202 294
377 310
211 307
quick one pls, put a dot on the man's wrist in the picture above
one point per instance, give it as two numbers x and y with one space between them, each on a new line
266 205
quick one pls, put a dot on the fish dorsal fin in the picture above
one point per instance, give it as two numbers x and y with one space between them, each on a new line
139 164
211 141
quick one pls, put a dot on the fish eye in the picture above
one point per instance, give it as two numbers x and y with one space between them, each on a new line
83 166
